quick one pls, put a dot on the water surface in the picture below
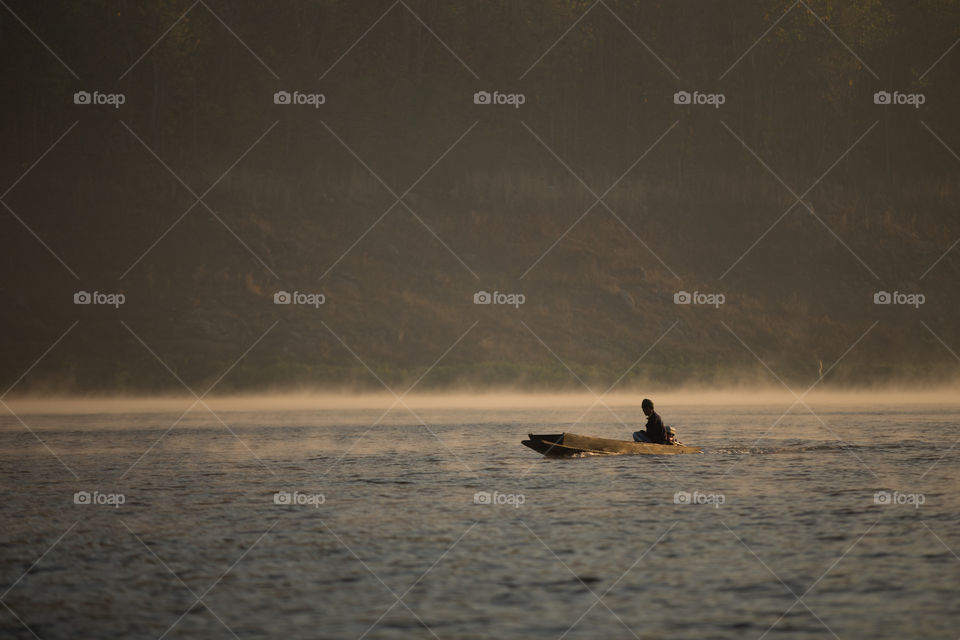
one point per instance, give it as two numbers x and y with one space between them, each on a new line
579 548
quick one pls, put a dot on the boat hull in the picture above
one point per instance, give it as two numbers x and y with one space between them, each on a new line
572 444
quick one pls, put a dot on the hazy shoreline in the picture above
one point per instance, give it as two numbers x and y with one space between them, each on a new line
325 400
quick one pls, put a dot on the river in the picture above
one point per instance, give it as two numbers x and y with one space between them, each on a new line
438 523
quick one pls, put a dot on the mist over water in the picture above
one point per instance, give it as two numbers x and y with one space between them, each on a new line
322 400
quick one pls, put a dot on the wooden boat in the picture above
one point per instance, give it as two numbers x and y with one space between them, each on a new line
571 444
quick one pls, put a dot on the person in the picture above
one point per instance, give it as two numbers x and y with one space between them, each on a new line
655 432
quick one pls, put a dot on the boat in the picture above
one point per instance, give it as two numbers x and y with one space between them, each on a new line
572 444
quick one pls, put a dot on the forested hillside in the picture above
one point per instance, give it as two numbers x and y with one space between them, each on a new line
598 159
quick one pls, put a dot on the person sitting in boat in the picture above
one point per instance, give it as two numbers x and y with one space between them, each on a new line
655 432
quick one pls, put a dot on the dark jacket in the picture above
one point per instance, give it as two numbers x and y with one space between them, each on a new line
655 430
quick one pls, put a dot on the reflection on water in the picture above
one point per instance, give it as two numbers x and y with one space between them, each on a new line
418 507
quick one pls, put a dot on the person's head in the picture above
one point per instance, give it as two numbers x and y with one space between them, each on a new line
647 406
